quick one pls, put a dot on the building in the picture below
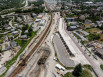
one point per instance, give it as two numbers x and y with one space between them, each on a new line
42 22
34 15
72 28
15 32
70 19
39 16
13 44
99 52
24 37
37 20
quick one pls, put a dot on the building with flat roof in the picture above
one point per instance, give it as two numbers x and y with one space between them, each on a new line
99 52
42 22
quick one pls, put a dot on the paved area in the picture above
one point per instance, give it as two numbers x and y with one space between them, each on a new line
62 53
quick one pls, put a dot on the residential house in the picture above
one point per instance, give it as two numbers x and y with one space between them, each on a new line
13 44
42 22
24 37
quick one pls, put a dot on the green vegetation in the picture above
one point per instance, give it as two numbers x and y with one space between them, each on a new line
101 66
86 73
34 9
93 30
15 35
38 4
1 40
88 67
69 74
76 36
21 43
0 48
79 71
7 4
92 37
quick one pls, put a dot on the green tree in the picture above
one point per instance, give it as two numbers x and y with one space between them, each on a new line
30 31
68 75
77 70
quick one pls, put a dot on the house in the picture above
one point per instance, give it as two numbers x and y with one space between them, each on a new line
12 30
87 3
8 28
5 26
37 20
5 38
11 37
42 22
34 15
20 26
87 21
99 52
15 32
93 25
73 23
71 28
39 16
70 19
13 44
99 23
24 37
19 19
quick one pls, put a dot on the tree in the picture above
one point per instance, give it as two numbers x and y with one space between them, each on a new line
77 70
93 37
68 75
30 31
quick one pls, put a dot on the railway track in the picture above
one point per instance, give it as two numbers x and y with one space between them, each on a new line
22 65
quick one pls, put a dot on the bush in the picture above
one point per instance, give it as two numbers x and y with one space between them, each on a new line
101 66
93 37
77 70
69 75
86 73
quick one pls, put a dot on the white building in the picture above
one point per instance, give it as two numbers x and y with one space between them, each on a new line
42 22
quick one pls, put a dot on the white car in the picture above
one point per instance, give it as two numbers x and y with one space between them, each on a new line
55 58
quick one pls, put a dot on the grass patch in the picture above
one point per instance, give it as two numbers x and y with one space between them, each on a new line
93 30
21 42
1 40
69 74
86 73
88 67
101 66
0 48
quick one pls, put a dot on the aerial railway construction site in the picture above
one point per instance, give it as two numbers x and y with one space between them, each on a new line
23 63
